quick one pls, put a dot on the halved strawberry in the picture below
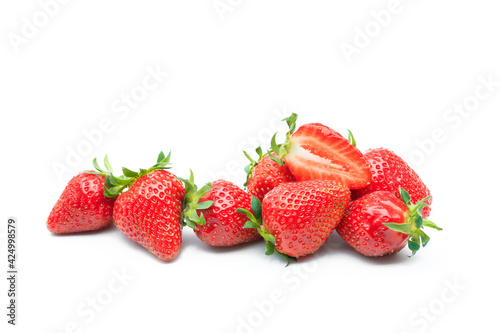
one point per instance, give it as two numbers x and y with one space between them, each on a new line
316 151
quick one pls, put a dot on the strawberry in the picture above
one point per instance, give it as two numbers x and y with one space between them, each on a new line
381 223
211 212
265 174
298 217
389 172
149 212
82 206
316 151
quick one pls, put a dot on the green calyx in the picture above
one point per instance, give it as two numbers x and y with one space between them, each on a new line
253 163
100 171
414 223
282 149
255 221
116 185
191 203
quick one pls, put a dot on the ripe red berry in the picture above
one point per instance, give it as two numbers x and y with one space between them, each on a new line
82 206
389 172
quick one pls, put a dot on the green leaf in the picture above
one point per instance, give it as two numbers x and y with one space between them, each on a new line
113 180
277 160
107 164
108 181
161 163
251 224
201 192
112 191
414 246
258 150
161 157
274 147
418 220
424 238
256 208
400 227
420 207
190 224
248 157
287 258
291 122
122 180
430 224
96 166
201 220
351 139
426 198
269 248
405 196
129 173
203 205
282 153
269 237
247 213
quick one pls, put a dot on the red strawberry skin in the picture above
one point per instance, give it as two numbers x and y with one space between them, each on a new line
362 226
224 226
318 152
266 175
82 206
388 172
149 213
302 215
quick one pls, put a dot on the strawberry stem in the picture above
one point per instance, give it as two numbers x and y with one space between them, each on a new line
282 149
414 223
114 186
249 167
255 221
191 204
100 171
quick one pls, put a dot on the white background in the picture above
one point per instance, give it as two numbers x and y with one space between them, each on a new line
232 76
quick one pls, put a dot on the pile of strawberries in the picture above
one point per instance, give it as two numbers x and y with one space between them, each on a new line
297 194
